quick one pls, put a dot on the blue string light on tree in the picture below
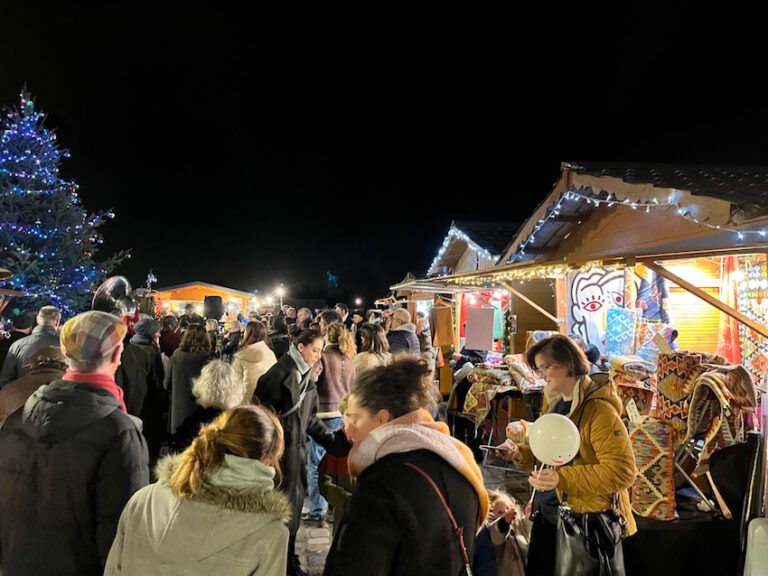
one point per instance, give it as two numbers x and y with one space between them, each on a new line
47 239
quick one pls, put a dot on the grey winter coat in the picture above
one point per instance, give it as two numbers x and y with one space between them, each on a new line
69 462
22 351
222 530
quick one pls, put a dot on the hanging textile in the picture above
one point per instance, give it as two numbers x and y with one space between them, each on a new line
652 294
442 320
630 288
753 304
728 345
621 324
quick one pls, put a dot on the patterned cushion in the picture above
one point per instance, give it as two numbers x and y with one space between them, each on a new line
644 344
653 493
677 373
620 331
643 392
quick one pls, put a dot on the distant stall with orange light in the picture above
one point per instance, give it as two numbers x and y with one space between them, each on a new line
173 299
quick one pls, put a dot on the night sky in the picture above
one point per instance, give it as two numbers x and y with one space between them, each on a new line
244 149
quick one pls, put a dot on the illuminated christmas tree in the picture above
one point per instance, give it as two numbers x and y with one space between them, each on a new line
47 239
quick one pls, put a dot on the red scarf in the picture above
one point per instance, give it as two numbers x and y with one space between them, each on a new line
99 380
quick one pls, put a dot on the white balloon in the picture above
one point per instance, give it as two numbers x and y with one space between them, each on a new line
554 439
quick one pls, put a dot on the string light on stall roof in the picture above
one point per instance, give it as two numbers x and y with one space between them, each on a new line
454 232
533 273
610 200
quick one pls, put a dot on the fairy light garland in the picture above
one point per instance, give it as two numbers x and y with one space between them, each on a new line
575 195
532 273
455 233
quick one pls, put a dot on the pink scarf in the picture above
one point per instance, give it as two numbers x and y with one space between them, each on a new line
418 431
100 381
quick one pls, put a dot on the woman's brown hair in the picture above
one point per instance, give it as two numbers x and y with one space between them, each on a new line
195 339
338 334
560 350
255 332
373 339
247 431
399 387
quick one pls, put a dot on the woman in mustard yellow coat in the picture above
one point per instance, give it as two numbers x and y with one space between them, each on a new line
605 465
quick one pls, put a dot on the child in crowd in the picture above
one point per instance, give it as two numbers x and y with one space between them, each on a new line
502 544
334 480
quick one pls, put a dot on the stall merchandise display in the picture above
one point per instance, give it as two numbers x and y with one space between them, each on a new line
676 374
523 376
634 379
645 347
653 493
717 404
486 383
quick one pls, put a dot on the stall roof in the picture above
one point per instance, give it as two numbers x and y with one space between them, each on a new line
204 285
744 186
488 238
661 209
610 214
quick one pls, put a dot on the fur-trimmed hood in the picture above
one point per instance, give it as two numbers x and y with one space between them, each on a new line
202 526
240 500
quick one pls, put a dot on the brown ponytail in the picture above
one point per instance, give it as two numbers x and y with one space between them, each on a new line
247 431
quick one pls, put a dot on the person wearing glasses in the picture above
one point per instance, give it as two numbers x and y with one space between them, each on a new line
605 465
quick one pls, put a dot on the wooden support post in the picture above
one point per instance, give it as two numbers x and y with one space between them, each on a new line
525 298
561 303
711 300
457 325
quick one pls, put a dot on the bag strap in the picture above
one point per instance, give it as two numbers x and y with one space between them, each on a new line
298 403
458 531
614 497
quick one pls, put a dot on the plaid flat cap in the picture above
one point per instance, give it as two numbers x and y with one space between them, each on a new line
91 336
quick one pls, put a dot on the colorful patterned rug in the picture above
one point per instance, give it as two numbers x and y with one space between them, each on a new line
632 366
677 374
716 415
653 493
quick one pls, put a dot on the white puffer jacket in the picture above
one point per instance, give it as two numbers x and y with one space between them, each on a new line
249 365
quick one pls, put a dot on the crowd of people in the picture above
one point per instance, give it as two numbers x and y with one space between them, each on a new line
235 430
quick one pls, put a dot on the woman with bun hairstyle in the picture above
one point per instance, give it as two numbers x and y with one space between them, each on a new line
214 509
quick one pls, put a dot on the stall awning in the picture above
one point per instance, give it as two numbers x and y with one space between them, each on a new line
598 211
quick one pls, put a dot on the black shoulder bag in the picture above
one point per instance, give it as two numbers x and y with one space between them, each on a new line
589 544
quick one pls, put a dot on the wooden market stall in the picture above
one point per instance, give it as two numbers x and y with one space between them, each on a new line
468 248
678 251
175 298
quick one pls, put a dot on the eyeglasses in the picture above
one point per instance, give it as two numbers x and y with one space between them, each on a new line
543 370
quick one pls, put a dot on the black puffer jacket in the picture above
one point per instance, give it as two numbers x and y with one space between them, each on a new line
69 462
395 525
